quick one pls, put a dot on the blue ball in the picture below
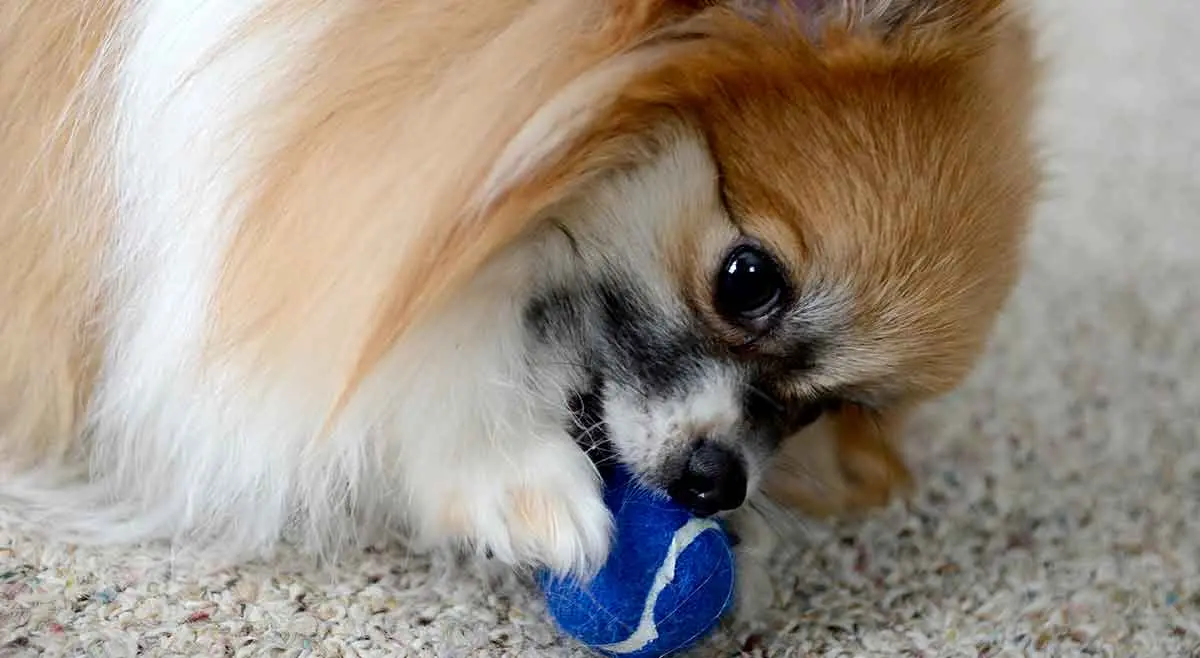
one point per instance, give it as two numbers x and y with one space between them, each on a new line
668 581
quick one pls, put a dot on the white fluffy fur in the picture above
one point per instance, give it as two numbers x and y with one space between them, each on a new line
188 448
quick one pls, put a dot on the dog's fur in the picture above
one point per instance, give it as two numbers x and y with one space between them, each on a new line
329 268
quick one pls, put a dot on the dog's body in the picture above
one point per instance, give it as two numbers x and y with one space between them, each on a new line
338 267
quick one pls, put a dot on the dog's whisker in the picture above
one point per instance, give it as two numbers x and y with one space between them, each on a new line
781 521
803 470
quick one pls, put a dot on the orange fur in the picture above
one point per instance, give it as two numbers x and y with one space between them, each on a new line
54 211
940 115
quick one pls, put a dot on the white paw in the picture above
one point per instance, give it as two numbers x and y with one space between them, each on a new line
541 508
755 591
756 542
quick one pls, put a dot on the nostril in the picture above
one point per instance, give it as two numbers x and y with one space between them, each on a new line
713 480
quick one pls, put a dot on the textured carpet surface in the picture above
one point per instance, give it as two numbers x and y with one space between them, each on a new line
1060 512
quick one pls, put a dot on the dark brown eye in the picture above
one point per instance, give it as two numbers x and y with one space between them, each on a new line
749 285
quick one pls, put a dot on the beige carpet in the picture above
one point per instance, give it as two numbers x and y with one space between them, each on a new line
1061 508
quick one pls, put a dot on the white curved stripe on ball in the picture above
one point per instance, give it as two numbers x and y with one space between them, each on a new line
647 631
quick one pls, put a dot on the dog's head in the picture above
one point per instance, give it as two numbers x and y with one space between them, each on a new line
822 220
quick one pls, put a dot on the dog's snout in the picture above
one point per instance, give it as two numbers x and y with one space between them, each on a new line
713 480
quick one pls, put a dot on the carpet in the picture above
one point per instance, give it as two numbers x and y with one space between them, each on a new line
1059 513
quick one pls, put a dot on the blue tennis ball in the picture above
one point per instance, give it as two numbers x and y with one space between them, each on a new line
668 581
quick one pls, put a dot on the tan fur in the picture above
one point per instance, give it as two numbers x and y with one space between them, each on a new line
534 516
940 115
54 210
383 91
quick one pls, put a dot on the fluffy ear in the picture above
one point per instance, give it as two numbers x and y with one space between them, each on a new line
853 465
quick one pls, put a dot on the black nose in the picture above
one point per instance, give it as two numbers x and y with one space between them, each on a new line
714 480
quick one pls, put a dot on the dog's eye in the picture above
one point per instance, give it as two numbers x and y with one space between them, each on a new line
807 415
749 285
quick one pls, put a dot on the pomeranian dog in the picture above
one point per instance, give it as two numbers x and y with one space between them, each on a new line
304 270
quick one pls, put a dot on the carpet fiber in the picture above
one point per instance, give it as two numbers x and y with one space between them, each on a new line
1060 507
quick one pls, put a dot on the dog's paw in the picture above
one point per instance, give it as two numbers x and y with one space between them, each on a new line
541 509
843 465
756 542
